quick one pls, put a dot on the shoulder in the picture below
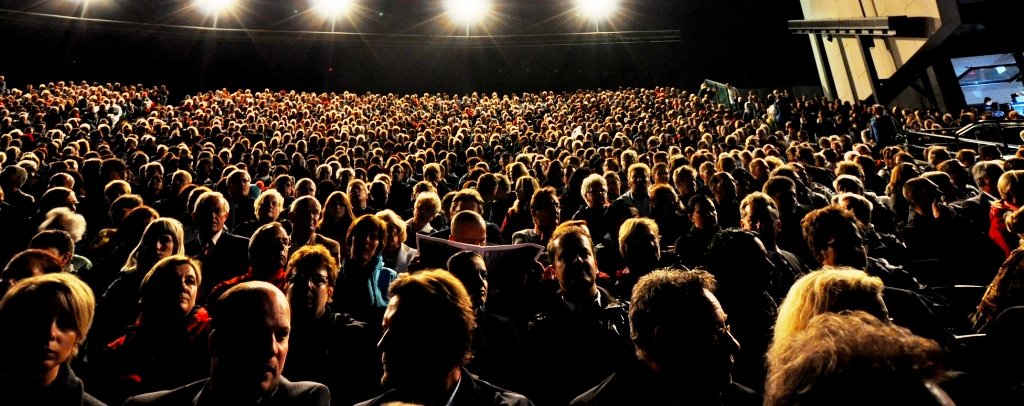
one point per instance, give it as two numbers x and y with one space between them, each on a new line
499 396
88 400
303 392
182 395
234 239
739 395
592 396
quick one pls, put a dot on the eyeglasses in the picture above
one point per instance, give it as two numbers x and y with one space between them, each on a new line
318 280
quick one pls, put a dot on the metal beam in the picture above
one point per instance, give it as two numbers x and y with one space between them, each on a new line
892 26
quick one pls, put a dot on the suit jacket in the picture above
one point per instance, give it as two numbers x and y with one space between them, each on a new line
332 246
287 393
639 385
228 259
471 392
976 209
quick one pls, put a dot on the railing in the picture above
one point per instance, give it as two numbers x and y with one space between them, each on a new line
1000 133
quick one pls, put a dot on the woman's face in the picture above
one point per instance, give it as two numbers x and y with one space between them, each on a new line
704 216
336 209
364 247
186 284
164 246
661 177
46 340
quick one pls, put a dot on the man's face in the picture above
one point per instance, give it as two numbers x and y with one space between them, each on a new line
786 200
407 331
252 349
575 267
725 190
596 195
685 184
305 189
210 216
704 216
239 188
713 345
270 209
758 219
638 182
272 250
306 215
474 278
545 214
309 290
845 248
473 234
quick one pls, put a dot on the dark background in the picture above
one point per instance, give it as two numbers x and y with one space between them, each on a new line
743 42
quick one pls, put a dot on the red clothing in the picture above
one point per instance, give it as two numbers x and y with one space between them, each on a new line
149 359
997 227
280 279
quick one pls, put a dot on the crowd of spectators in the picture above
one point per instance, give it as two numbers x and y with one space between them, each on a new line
243 247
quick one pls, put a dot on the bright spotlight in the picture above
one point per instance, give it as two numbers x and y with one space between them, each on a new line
468 11
598 9
214 6
332 8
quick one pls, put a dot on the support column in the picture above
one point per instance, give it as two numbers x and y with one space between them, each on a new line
869 66
828 84
846 67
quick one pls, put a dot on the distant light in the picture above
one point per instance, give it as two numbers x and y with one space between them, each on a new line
598 9
214 6
468 11
332 8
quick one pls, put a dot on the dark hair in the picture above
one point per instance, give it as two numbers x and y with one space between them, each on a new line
58 239
665 295
442 297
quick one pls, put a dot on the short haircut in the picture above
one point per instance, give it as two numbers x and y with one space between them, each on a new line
390 218
665 296
577 227
365 225
849 183
205 197
260 201
839 356
762 199
819 225
19 266
428 199
987 169
441 296
65 291
64 219
164 272
259 237
631 226
468 195
460 259
777 184
916 191
537 201
312 256
302 200
589 181
1011 184
859 205
56 239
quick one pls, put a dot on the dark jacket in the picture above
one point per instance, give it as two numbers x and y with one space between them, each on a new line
197 393
471 392
228 258
497 350
637 384
66 390
337 351
570 352
594 219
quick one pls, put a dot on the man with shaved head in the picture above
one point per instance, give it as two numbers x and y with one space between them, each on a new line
249 346
469 200
469 227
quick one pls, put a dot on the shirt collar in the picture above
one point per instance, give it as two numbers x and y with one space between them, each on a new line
451 399
216 237
574 307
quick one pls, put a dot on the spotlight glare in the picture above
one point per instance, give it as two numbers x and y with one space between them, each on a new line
332 8
214 6
598 9
468 11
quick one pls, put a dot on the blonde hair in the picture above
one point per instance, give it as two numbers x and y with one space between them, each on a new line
1010 184
824 291
391 218
68 292
631 226
154 230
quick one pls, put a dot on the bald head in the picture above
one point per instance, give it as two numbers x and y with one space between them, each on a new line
249 340
468 227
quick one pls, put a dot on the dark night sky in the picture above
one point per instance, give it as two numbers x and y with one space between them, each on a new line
744 42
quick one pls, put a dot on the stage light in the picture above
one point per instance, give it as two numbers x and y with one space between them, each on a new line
332 8
597 9
468 11
214 6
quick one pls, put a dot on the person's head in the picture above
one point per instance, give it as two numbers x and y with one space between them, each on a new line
853 358
57 242
470 269
723 187
396 231
829 290
238 185
47 317
859 205
1011 187
469 227
210 213
922 194
337 208
466 200
13 177
679 328
58 197
305 187
312 274
366 238
639 179
740 263
179 180
115 189
249 339
162 238
571 251
639 244
358 192
783 191
428 331
545 208
661 174
834 237
685 180
169 289
703 213
986 175
269 206
61 180
595 191
29 263
268 247
760 215
427 206
64 219
304 214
